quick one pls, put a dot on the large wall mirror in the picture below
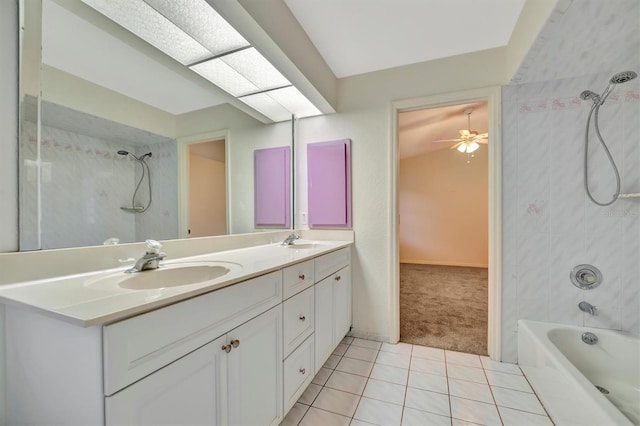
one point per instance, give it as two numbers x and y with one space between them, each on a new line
113 131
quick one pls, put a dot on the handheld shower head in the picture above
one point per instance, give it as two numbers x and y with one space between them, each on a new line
623 77
123 152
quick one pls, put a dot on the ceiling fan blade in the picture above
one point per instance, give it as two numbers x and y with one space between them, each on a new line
448 140
483 136
484 141
456 145
464 132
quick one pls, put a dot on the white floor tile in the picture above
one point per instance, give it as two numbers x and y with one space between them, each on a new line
432 402
429 366
370 344
379 412
294 416
463 359
389 374
355 366
316 417
394 359
359 352
385 391
322 376
309 394
510 381
458 422
430 382
336 401
347 340
428 353
470 390
413 417
464 372
356 422
474 411
399 348
346 382
340 349
518 400
332 362
518 418
503 367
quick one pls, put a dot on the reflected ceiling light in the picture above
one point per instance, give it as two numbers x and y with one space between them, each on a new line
194 34
468 147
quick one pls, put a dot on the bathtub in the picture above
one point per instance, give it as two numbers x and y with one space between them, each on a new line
564 372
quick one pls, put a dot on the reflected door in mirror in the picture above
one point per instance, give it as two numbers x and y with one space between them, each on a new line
272 187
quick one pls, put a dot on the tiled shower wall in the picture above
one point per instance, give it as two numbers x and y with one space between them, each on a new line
84 182
549 224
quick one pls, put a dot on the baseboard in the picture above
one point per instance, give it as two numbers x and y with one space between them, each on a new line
368 335
423 262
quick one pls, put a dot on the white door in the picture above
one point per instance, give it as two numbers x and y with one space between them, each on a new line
342 303
255 370
324 329
189 391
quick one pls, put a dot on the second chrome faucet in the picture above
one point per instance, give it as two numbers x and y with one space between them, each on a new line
151 258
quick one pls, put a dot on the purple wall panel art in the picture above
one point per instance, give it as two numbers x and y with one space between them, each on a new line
272 171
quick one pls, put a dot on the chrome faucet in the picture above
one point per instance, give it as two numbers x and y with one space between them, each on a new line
588 308
150 259
290 239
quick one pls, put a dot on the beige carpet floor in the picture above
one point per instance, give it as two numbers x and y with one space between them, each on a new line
444 307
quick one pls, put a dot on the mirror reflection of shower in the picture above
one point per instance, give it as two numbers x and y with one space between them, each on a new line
598 101
145 172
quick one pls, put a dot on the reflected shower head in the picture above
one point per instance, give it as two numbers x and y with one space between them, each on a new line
123 152
588 94
623 77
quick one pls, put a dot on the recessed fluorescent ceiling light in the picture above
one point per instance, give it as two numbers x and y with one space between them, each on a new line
241 73
266 105
293 100
201 22
145 22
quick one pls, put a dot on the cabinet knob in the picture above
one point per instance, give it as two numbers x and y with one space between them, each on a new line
235 343
338 278
302 318
301 276
302 371
226 348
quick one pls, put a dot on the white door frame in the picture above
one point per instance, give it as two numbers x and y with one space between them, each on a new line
492 95
183 176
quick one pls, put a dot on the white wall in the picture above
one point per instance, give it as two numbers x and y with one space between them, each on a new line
443 208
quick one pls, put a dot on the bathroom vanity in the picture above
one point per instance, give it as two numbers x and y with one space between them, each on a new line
236 349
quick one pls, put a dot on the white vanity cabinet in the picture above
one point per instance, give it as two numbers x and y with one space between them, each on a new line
332 296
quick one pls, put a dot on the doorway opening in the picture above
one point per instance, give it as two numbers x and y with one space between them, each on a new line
443 228
492 96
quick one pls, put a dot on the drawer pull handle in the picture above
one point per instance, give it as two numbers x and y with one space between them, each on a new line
301 276
302 318
235 343
226 348
302 371
338 278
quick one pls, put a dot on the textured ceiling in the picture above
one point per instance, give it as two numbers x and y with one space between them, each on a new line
417 130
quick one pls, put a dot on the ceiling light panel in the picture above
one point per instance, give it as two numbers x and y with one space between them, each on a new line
145 22
225 77
255 68
198 19
294 101
266 105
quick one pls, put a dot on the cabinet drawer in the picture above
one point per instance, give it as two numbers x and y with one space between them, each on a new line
296 278
298 373
298 319
331 262
138 346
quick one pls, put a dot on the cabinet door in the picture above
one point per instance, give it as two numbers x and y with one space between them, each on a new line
342 303
324 330
189 391
255 370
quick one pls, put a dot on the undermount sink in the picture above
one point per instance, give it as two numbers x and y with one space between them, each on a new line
170 275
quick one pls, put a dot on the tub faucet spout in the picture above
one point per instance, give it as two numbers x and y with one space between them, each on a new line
588 308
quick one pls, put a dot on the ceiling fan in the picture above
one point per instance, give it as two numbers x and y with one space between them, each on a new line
469 139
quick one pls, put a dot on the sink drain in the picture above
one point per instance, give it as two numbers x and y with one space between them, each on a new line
602 390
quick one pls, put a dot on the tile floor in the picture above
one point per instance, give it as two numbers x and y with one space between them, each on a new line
366 382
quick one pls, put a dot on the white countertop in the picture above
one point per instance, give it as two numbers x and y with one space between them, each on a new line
74 299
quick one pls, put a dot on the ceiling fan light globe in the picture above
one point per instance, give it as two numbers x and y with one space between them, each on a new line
472 146
462 147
